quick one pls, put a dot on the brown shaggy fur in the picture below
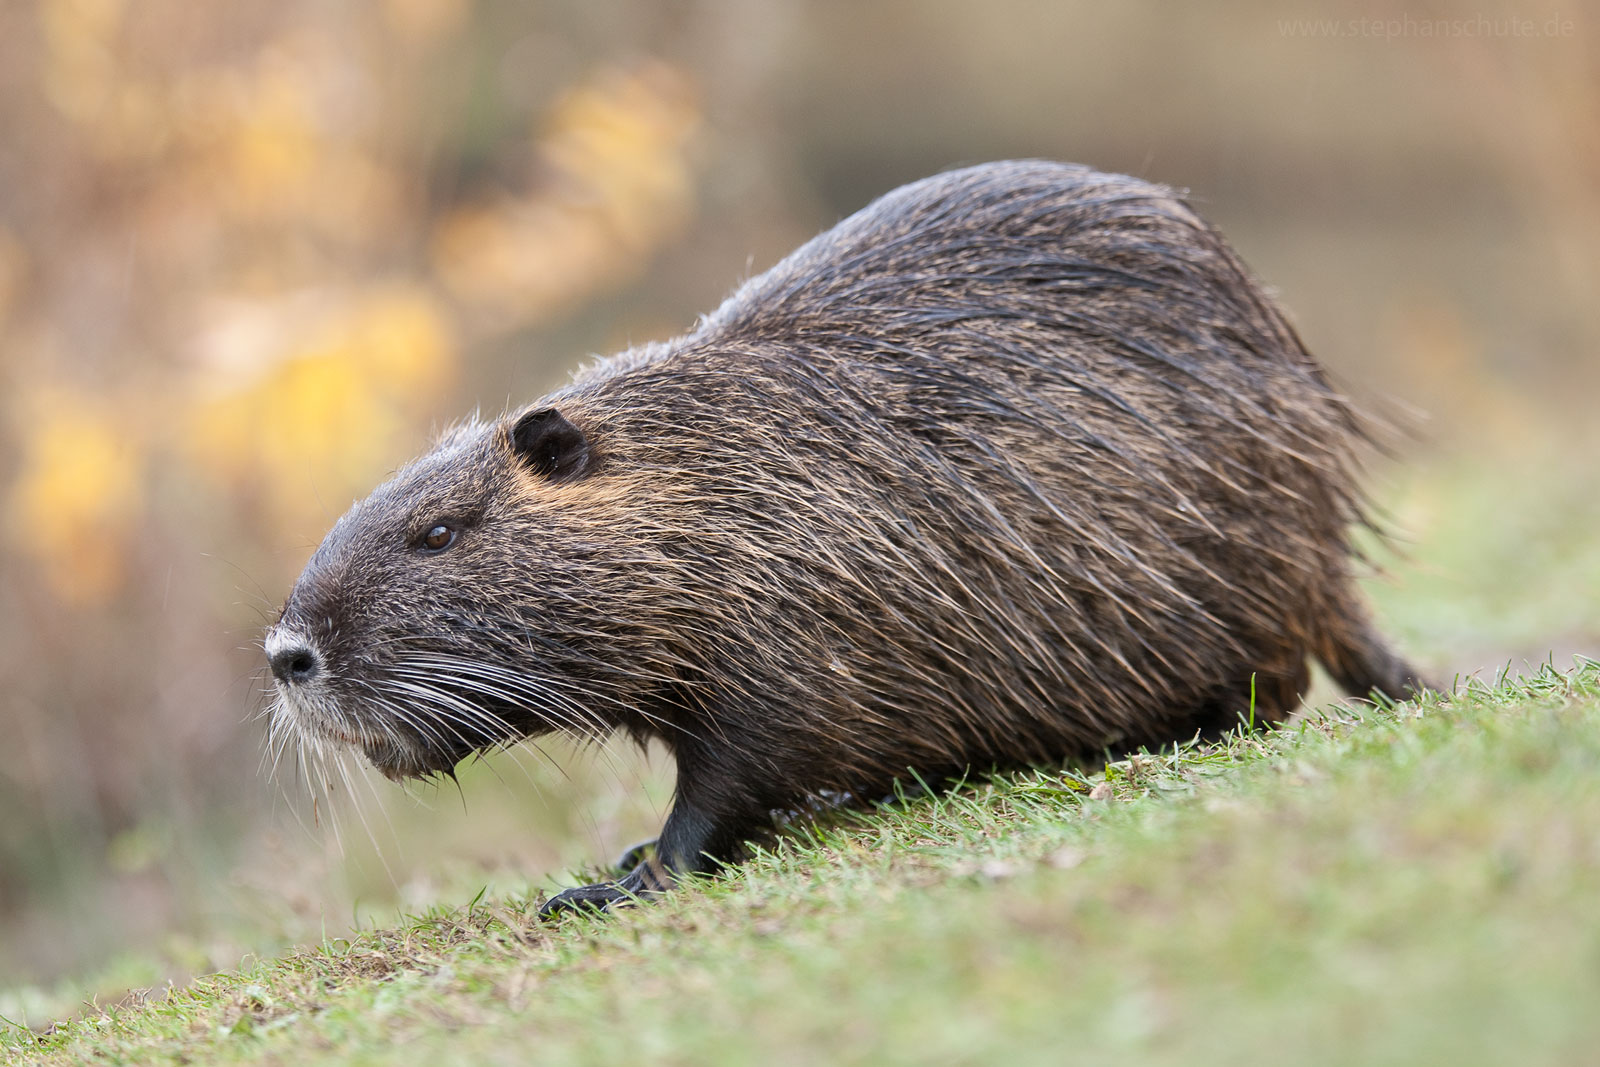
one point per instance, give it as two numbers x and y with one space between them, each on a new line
1017 464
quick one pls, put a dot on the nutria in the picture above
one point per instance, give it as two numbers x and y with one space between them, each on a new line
1017 464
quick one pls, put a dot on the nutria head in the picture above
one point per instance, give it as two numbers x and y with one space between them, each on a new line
418 629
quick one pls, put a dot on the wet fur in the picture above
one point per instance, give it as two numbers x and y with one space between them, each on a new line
1017 464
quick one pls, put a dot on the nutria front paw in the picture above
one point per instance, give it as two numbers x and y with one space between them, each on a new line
642 883
586 898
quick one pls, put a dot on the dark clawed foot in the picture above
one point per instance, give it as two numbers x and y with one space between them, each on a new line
641 883
585 898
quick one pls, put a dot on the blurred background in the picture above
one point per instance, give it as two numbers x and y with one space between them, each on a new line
254 255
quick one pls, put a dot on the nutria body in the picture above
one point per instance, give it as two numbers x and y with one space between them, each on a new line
1016 464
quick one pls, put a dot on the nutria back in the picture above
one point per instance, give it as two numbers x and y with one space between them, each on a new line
1017 464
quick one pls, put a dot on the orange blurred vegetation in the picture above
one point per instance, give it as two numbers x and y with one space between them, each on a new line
242 259
268 188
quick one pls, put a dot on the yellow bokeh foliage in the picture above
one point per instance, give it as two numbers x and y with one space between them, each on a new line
261 189
80 70
79 491
315 418
308 420
617 151
272 148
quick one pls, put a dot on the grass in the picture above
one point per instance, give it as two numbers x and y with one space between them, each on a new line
1409 884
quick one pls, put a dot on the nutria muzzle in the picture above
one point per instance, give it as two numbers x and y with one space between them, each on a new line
316 704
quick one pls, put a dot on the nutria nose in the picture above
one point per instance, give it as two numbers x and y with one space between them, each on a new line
293 660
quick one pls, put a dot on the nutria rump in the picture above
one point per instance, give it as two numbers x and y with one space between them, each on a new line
1017 464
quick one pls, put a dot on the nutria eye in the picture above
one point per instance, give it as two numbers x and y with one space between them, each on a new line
438 539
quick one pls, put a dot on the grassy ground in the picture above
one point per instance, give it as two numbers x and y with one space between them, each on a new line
1394 885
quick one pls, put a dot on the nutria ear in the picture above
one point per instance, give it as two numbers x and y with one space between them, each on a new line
547 442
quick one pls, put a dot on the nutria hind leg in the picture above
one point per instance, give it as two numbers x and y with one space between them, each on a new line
1263 698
